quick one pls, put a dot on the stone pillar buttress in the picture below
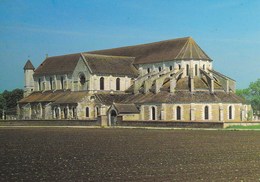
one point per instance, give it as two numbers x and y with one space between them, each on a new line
221 114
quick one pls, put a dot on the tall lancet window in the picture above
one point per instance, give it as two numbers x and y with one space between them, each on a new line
196 70
230 113
187 69
39 84
118 84
206 112
178 113
62 82
153 113
51 83
101 82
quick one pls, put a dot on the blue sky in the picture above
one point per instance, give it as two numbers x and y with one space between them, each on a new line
228 31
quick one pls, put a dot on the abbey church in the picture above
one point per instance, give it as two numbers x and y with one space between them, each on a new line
169 81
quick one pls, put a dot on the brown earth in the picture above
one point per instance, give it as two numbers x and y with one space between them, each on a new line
67 154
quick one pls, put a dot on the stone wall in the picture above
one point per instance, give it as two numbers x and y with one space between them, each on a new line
195 112
173 124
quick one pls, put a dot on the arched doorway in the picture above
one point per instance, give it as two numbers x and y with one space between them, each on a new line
113 117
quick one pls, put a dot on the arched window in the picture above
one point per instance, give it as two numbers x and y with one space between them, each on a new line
179 66
118 84
203 66
206 112
230 114
51 83
160 68
82 79
101 82
87 112
61 82
148 70
39 84
96 111
196 70
170 68
178 113
73 112
187 70
57 113
65 113
153 113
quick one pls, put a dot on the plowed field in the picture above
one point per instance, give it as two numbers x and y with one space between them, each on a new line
67 154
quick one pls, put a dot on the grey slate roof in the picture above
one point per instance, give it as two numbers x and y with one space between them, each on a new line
126 108
58 65
57 97
175 49
28 65
114 65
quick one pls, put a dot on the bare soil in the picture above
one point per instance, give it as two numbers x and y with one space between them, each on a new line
67 154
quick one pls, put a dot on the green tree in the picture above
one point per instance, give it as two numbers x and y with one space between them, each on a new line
2 105
9 99
252 94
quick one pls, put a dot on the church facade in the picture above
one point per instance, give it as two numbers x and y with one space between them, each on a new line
171 80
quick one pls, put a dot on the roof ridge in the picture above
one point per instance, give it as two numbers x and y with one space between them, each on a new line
141 44
103 55
64 55
187 51
182 48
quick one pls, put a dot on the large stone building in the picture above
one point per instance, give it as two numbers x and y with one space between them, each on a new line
171 80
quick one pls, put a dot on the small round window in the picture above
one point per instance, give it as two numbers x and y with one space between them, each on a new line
82 79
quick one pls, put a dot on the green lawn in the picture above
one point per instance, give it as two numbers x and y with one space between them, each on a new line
253 127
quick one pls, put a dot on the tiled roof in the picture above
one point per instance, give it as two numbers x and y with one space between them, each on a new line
175 49
184 97
72 97
126 108
58 97
109 99
58 65
167 97
28 66
114 65
47 96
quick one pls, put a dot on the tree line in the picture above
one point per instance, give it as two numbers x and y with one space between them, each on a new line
8 101
252 96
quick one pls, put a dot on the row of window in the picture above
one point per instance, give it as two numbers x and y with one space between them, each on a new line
187 69
65 111
178 112
51 83
87 113
82 82
102 83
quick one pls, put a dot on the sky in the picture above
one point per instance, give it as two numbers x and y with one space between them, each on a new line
228 31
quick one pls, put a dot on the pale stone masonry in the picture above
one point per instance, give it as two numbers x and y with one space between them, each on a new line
171 80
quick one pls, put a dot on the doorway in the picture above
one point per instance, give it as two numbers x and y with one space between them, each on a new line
113 118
